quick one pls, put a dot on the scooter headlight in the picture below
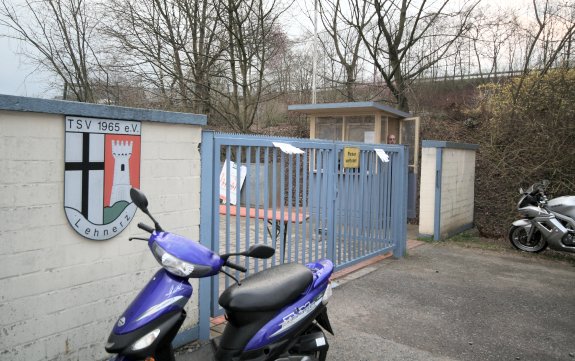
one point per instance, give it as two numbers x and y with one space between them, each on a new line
171 263
146 340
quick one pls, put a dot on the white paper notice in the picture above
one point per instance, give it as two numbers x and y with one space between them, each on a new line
382 155
233 181
369 137
288 148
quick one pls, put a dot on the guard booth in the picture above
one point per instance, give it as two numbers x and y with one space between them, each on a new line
367 122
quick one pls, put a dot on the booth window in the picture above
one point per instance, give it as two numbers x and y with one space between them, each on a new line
360 129
328 128
408 138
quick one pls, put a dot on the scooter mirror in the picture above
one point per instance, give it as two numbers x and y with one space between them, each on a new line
260 251
521 190
139 199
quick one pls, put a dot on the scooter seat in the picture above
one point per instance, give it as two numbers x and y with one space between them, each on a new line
267 290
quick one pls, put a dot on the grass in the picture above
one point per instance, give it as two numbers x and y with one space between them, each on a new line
472 239
425 239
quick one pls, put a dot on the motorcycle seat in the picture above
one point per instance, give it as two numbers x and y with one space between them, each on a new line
267 290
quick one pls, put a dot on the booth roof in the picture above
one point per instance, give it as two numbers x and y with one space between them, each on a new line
313 109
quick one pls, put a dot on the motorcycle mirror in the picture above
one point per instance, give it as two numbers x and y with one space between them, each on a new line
139 199
260 251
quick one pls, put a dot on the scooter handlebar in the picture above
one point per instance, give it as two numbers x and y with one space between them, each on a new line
145 227
235 266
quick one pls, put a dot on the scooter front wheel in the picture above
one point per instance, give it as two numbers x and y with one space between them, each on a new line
519 238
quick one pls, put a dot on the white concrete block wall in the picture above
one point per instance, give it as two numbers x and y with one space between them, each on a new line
60 293
448 187
457 187
427 191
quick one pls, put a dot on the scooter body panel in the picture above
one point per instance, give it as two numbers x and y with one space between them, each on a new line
164 293
297 313
322 271
206 263
138 345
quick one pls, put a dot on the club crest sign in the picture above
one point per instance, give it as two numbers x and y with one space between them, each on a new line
102 163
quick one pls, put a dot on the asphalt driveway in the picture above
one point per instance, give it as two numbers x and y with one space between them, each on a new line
444 302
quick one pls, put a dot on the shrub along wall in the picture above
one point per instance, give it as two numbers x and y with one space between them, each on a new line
525 130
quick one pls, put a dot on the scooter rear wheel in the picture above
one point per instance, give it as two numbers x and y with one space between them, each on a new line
519 239
306 346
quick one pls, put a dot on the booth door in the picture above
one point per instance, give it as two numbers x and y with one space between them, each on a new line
409 135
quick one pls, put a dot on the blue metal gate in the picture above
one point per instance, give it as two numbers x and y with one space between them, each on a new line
301 197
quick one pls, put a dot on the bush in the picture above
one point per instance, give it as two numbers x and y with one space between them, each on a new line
526 132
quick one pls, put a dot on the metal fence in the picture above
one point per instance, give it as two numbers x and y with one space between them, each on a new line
301 197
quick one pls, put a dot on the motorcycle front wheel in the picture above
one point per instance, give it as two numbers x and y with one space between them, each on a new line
518 237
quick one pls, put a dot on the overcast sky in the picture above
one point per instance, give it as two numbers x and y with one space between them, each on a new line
19 78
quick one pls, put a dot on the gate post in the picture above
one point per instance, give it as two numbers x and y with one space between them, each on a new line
399 203
206 234
331 202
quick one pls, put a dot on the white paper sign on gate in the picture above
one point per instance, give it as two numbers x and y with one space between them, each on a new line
233 179
288 148
382 155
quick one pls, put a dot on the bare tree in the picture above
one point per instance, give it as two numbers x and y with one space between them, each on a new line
490 32
297 73
561 28
172 45
402 27
203 56
253 35
344 45
556 15
62 33
280 64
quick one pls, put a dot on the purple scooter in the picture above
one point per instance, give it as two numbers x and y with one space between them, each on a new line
274 314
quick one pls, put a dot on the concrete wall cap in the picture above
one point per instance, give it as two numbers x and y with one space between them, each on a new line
444 144
36 105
